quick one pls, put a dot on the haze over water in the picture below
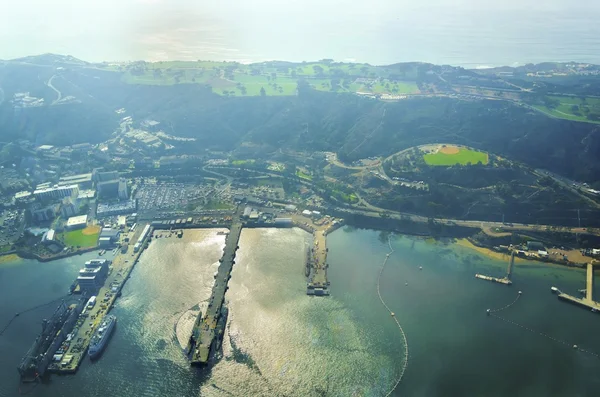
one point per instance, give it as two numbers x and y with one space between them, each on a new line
469 33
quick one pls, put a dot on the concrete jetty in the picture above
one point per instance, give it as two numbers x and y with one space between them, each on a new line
503 280
587 302
506 280
207 329
121 267
318 283
589 282
316 258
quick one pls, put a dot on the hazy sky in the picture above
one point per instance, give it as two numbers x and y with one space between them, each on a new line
376 31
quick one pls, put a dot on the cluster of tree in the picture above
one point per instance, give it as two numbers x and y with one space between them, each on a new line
352 126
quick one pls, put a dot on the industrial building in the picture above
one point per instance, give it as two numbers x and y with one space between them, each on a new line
104 176
44 214
108 236
56 192
283 222
84 181
92 276
124 207
76 222
22 196
108 189
122 191
69 207
48 236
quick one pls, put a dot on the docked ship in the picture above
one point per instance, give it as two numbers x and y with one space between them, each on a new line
101 336
54 332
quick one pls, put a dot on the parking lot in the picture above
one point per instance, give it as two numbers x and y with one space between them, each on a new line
170 195
11 226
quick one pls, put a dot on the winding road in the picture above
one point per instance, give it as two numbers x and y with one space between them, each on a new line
58 93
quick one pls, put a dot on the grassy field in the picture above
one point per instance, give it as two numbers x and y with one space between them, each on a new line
242 162
82 238
573 108
303 175
272 182
277 79
463 157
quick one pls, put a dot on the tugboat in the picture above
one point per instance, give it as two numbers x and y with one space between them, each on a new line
101 336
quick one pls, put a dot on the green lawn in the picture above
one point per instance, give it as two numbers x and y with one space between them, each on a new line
303 175
463 157
76 238
573 108
242 162
235 79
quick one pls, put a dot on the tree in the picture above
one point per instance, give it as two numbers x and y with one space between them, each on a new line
319 71
262 91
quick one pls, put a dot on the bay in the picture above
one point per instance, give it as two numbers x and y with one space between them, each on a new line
279 341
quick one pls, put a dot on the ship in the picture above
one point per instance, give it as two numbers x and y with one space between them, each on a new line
54 331
101 336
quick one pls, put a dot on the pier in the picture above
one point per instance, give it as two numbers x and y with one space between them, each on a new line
122 265
588 301
316 258
506 280
208 327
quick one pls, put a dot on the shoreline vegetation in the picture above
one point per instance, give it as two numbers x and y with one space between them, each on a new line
10 259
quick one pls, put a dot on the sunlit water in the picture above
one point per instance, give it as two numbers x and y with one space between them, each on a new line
280 342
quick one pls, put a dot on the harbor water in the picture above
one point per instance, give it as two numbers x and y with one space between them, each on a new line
280 342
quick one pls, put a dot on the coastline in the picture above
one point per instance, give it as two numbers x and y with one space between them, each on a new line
9 259
499 256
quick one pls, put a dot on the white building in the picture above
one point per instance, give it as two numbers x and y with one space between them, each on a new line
76 222
56 192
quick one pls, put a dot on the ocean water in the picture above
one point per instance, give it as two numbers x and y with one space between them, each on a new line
280 342
470 33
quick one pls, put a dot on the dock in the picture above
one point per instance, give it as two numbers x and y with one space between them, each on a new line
587 302
506 280
316 257
503 280
209 327
317 282
122 265
589 282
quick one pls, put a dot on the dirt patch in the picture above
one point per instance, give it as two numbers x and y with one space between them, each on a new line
88 231
449 150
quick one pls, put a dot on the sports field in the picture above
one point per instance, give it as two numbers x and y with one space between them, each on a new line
82 238
452 155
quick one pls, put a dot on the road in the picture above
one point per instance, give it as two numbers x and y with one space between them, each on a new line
58 93
365 208
567 184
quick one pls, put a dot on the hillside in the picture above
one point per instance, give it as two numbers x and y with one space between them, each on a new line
74 102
